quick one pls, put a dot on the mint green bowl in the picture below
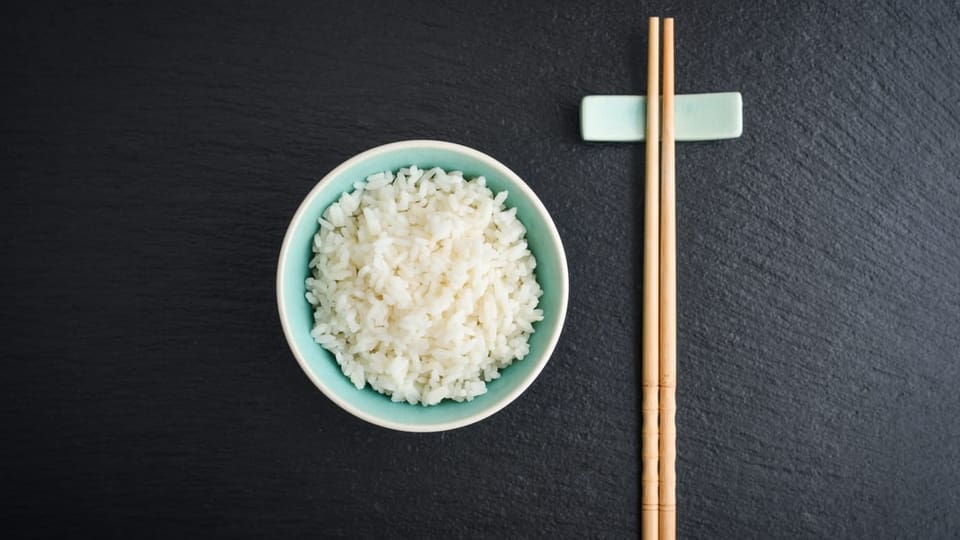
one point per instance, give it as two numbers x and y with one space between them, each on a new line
296 315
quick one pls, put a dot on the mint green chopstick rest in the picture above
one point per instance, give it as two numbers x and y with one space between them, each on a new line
699 117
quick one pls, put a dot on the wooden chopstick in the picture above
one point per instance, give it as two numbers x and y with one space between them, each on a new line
668 299
649 451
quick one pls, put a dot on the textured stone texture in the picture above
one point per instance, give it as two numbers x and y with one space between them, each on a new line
152 156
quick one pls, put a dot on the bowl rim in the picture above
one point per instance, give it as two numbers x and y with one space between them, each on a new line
551 342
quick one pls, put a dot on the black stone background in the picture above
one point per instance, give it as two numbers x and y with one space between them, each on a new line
152 155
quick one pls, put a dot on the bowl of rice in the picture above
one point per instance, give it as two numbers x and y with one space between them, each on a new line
422 285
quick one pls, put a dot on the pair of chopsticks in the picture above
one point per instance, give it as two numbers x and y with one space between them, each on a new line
658 500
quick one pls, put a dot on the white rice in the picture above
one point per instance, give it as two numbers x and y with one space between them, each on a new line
423 285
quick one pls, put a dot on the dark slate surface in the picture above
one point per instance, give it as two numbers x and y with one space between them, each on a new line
152 156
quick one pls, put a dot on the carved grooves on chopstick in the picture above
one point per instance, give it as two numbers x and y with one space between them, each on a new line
649 450
668 298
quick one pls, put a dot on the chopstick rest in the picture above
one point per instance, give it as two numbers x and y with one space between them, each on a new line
699 117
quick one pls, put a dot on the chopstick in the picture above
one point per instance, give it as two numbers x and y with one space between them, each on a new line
649 451
668 299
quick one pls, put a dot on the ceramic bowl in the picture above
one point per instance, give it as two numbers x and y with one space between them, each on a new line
296 314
